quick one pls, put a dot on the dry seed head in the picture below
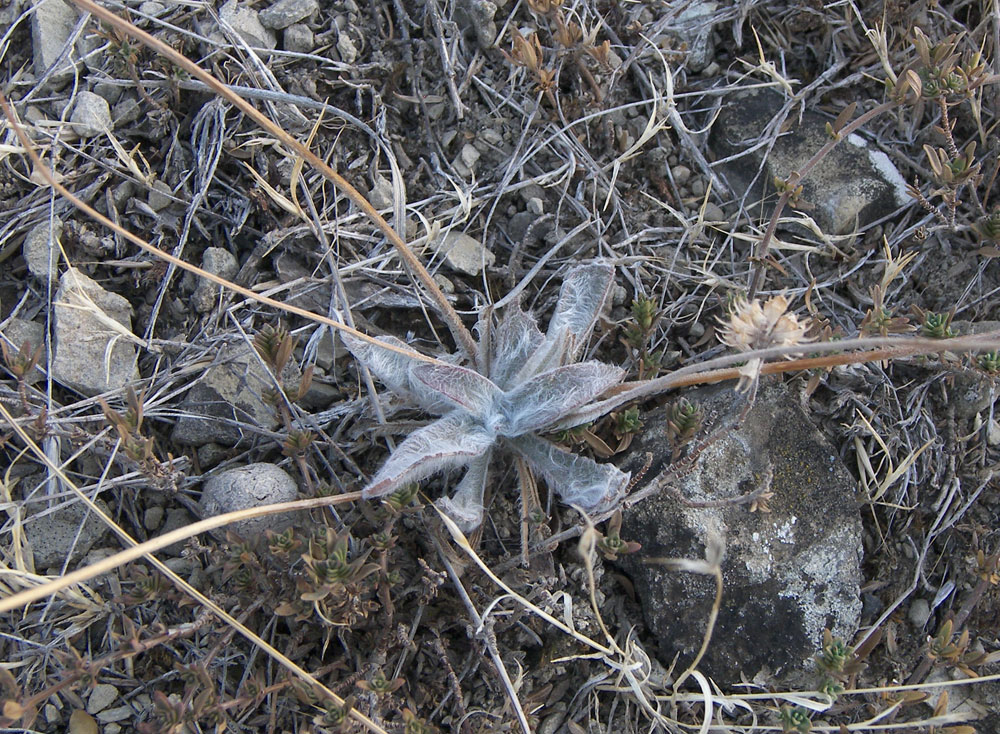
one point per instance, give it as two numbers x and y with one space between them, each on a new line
753 326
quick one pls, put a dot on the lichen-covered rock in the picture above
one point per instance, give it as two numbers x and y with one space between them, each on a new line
788 573
225 405
250 486
854 185
63 534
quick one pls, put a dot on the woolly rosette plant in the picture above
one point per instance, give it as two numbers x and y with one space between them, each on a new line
525 384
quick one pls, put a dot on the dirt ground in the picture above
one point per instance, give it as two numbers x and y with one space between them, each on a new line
528 137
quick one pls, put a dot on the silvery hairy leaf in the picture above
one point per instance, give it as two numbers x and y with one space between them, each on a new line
528 388
465 506
578 480
395 371
534 405
514 341
465 389
451 441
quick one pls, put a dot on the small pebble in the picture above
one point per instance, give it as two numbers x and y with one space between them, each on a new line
299 38
103 695
536 205
681 174
470 155
713 213
152 518
920 612
160 196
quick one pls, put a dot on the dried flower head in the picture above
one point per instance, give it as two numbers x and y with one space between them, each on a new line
753 326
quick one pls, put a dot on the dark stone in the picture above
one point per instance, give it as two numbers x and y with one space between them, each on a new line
853 186
788 573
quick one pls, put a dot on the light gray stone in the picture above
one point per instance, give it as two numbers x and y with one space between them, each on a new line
470 156
41 249
225 405
93 328
152 8
464 253
919 613
20 332
476 17
160 196
299 39
681 174
247 487
66 533
9 13
103 695
381 193
788 572
694 29
346 48
285 12
110 716
52 25
91 115
853 186
216 261
246 23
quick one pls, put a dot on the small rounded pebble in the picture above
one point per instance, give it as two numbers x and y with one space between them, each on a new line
920 612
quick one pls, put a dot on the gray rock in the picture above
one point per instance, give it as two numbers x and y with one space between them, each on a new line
41 253
681 174
152 517
246 487
228 395
713 213
110 92
381 193
9 13
346 48
118 713
152 8
246 24
692 27
51 28
920 612
160 196
299 39
470 156
852 187
285 12
93 330
66 533
103 695
973 392
464 253
177 517
91 115
788 573
19 332
216 261
476 17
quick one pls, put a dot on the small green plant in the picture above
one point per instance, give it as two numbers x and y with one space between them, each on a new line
610 544
934 325
794 719
684 420
989 362
639 332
